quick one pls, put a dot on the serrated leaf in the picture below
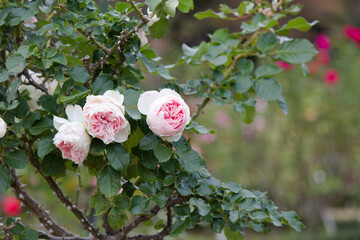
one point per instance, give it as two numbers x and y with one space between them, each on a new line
45 145
266 41
4 75
79 74
242 83
267 88
163 153
40 126
139 204
190 160
149 141
158 29
15 63
204 208
300 24
186 5
297 51
5 178
267 70
59 58
53 165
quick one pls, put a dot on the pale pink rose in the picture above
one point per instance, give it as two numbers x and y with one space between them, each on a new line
72 139
208 138
105 117
167 113
3 127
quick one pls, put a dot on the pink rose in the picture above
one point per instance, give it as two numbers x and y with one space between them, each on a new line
72 139
331 77
323 42
167 113
105 117
352 32
284 65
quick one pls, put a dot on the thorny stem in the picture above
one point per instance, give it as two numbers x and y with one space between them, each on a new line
79 187
6 229
32 81
35 208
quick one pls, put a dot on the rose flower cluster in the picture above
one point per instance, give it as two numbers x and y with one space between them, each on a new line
103 117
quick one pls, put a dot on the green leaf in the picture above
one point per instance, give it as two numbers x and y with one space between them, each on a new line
152 4
16 159
75 96
48 102
97 145
46 28
122 6
5 178
300 24
234 216
53 165
118 157
99 203
168 180
45 145
20 106
79 74
204 208
149 141
283 105
148 188
117 217
218 225
59 58
102 83
24 51
198 128
158 29
232 235
131 97
292 219
163 153
209 14
30 119
29 234
267 70
139 204
266 41
4 75
297 51
186 5
245 66
178 228
15 63
40 126
170 7
190 160
242 83
19 227
267 88
11 91
109 181
182 210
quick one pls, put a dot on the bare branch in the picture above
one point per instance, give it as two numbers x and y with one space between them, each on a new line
35 208
139 12
65 200
32 81
43 235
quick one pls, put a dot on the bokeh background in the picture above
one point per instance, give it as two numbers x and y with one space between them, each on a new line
307 161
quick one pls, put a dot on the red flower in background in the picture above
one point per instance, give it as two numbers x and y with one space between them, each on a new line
11 206
323 42
352 32
323 57
284 65
331 77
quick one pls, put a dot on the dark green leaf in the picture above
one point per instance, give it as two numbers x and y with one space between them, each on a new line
204 208
79 74
59 58
118 157
158 29
5 178
53 165
139 204
242 83
186 5
102 83
117 218
267 70
16 159
190 160
29 234
245 66
163 153
122 6
149 141
266 41
109 181
4 75
300 24
45 145
40 126
11 91
48 102
283 105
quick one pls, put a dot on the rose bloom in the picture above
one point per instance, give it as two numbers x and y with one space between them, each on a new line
352 32
105 117
11 206
331 77
284 65
72 139
167 113
3 127
323 42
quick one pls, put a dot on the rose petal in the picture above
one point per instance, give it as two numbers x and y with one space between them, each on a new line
75 113
146 99
115 95
123 134
167 91
58 122
174 138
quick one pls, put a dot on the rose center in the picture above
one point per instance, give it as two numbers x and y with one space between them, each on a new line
106 123
173 113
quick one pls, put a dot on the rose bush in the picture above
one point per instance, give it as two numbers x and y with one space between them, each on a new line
142 162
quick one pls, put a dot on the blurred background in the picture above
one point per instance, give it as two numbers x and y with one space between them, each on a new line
308 160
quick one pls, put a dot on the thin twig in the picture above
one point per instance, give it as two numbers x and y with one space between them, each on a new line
79 187
36 209
43 235
144 217
139 12
6 229
93 40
